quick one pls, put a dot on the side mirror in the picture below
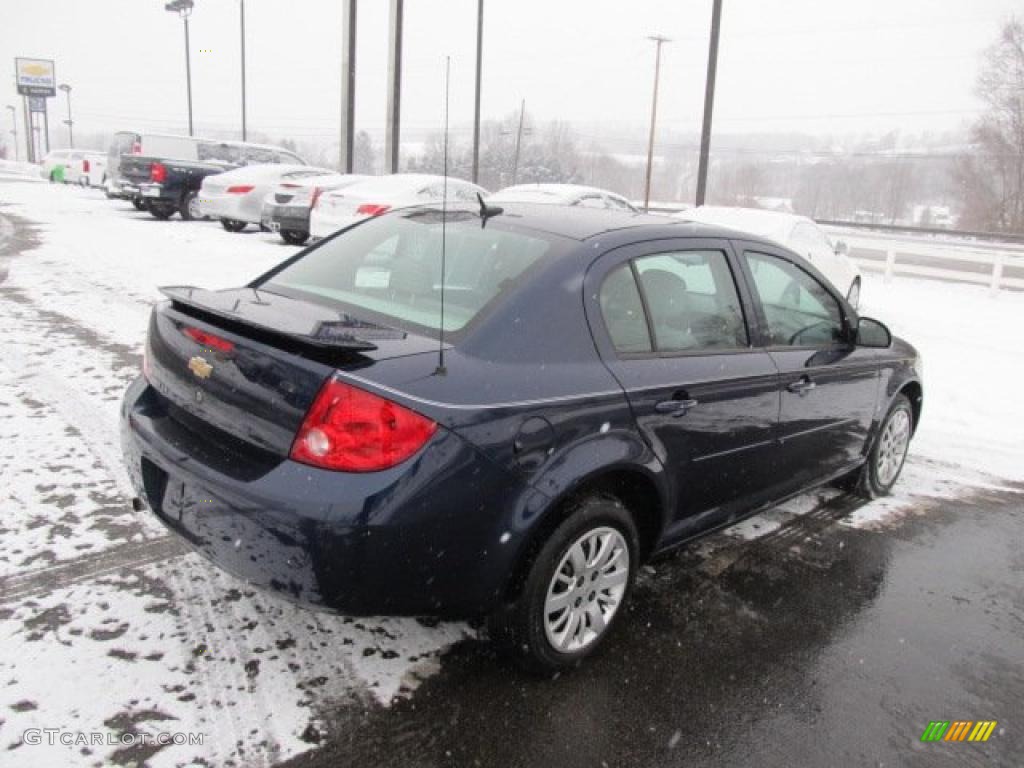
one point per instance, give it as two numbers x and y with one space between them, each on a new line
872 333
841 248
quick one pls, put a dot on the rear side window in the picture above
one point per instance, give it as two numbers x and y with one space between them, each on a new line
623 312
692 300
389 269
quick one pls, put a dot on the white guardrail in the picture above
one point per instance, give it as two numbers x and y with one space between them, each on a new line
997 265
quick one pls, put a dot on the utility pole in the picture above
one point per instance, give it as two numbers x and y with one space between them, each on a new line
69 122
658 42
392 135
476 104
184 9
519 141
242 18
709 102
14 129
346 161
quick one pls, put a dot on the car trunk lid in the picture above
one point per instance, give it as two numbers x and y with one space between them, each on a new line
249 363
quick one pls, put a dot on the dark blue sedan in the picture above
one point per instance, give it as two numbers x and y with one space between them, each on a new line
607 385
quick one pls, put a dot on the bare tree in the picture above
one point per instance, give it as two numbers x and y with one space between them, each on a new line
991 178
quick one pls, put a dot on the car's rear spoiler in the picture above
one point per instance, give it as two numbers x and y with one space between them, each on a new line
302 322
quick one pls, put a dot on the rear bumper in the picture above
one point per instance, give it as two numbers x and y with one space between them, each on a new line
424 538
156 193
294 218
323 226
223 206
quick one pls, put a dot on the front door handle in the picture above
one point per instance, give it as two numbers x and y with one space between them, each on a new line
677 406
801 386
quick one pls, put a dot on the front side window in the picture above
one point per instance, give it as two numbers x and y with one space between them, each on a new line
388 269
798 309
692 301
623 312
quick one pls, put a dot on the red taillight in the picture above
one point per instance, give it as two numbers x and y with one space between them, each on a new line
206 339
351 430
241 189
372 209
85 166
136 148
158 173
317 191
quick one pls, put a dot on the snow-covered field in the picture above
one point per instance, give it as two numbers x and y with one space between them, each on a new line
106 625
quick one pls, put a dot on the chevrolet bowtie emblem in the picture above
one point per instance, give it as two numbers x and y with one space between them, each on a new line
200 367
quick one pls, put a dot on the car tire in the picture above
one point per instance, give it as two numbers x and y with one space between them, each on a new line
853 295
877 476
294 237
188 208
564 588
233 225
162 211
139 203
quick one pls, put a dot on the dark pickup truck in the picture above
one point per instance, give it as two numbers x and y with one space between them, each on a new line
165 185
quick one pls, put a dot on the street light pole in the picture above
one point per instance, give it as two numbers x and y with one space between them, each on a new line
184 9
709 102
14 130
658 41
69 122
392 131
346 160
243 69
476 105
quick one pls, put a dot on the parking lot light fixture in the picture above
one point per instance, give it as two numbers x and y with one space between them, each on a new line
184 9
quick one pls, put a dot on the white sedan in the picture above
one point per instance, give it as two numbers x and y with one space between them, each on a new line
798 233
339 208
563 194
236 197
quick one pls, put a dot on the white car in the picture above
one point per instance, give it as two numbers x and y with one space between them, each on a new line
89 169
341 207
798 233
286 209
236 197
563 194
54 165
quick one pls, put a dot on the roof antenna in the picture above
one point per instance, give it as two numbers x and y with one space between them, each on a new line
441 370
486 211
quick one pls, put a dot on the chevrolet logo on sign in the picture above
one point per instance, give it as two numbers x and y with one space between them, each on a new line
200 367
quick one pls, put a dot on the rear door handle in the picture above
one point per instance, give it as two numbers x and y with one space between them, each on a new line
801 386
677 406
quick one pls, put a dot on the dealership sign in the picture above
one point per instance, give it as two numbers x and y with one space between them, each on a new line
35 77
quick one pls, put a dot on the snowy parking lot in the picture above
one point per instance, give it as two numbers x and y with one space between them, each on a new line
109 626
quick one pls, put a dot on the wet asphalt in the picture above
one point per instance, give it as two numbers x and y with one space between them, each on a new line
816 645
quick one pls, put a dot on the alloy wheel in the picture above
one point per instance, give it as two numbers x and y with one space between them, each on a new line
586 590
892 447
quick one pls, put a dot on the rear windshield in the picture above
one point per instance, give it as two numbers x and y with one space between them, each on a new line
389 269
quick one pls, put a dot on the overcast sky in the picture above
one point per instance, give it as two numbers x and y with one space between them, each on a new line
816 66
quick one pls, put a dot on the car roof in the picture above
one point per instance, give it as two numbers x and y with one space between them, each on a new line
402 182
561 190
578 223
771 224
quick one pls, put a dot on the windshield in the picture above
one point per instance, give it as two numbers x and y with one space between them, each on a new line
389 269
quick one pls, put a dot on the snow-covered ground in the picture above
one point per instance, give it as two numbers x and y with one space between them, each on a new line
107 626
